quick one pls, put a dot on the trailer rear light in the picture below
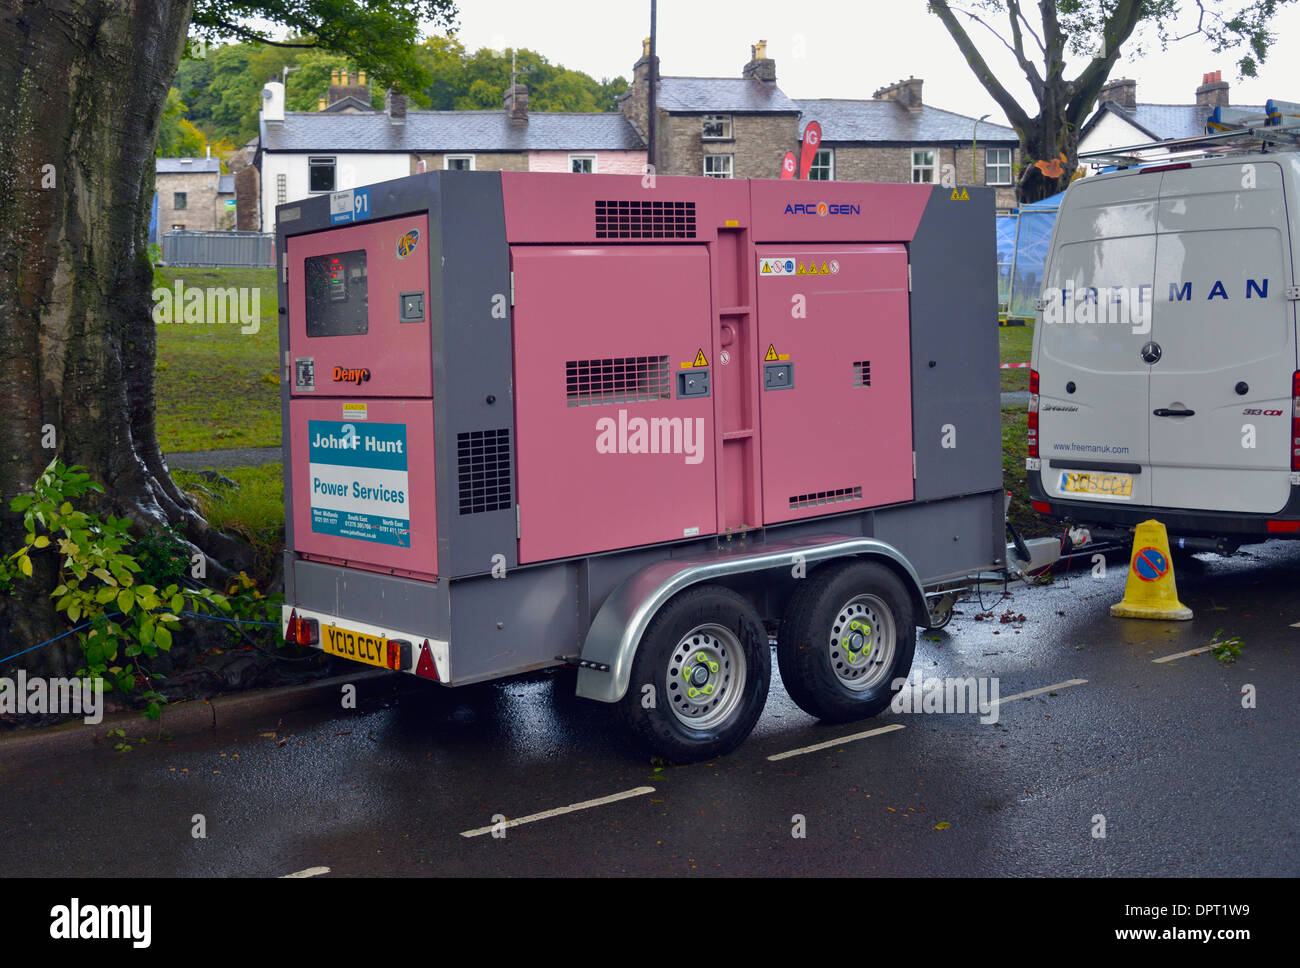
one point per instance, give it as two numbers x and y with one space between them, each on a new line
1295 421
397 654
301 631
426 666
1042 507
1283 527
1032 428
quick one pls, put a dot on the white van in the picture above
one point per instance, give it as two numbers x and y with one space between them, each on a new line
1164 377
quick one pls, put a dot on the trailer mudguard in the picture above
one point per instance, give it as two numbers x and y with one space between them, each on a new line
624 616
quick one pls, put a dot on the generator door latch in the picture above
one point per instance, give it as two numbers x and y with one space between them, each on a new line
692 383
778 376
412 308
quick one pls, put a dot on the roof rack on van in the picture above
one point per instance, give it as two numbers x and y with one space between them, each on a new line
1227 131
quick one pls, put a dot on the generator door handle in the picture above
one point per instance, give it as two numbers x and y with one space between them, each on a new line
1166 412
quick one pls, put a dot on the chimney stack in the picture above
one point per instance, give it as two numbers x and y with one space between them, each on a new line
516 104
347 84
1213 92
395 106
760 66
1122 90
907 93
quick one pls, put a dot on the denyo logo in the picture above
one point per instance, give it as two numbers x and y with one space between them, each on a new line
823 208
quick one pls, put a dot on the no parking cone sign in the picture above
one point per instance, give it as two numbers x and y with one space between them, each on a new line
1151 591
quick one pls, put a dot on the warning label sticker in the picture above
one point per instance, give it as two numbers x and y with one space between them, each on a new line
700 360
359 485
767 268
773 356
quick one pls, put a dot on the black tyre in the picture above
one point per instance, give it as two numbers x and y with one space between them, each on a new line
847 634
708 666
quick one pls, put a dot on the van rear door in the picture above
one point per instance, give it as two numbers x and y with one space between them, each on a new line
1220 414
1093 383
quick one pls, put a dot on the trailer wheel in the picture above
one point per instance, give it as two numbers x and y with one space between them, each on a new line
707 662
847 634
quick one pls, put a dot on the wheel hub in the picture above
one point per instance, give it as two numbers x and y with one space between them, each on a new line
706 676
861 642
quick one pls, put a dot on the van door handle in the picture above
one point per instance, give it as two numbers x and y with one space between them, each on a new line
1165 412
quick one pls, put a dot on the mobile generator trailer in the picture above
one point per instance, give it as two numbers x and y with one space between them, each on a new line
620 424
1165 380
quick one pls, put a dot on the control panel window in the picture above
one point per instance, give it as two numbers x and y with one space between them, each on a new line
337 295
320 174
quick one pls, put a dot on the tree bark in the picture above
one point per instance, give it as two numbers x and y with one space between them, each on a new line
85 82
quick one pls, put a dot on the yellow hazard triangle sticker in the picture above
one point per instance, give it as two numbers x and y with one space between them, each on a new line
771 353
959 195
700 359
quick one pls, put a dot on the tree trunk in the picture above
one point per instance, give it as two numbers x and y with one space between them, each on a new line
1055 146
85 82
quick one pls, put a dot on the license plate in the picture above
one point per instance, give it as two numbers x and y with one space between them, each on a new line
356 646
1101 485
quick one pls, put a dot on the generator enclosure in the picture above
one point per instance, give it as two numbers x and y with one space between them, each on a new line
505 393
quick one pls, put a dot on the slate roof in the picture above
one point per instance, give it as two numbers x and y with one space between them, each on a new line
226 185
1163 121
467 131
845 121
180 166
722 95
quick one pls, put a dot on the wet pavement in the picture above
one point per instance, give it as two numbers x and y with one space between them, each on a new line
1187 780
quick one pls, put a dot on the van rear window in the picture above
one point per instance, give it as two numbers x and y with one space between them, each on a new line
337 294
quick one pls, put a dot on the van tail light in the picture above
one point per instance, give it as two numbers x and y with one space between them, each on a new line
1032 432
1295 421
301 631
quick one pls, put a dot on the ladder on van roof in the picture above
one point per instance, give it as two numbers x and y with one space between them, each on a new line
1227 131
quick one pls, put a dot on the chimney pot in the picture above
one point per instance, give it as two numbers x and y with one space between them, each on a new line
1213 91
760 66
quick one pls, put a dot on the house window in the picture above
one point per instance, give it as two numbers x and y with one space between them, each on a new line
717 166
582 164
179 200
178 228
320 174
997 166
823 166
457 162
923 166
717 127
281 188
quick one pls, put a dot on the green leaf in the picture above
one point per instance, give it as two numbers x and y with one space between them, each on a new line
177 602
41 541
106 594
25 565
164 638
74 611
125 600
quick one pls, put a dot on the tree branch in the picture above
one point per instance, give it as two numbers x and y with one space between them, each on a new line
251 35
1026 65
1083 90
1014 112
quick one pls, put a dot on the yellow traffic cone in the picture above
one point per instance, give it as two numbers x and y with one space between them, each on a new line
1151 592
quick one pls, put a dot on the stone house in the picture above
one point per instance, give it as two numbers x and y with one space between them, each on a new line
193 195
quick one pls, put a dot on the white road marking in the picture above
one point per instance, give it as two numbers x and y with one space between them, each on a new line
1038 692
1183 655
837 742
558 811
309 872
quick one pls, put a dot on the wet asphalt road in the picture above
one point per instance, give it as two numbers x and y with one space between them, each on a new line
1189 782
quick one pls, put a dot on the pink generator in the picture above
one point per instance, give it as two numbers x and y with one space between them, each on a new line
639 427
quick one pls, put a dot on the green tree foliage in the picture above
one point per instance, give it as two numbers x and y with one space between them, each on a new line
221 89
177 136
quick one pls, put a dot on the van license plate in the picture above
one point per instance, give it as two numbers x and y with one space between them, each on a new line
356 646
1100 485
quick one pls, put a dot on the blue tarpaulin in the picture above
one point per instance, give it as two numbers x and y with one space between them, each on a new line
1023 240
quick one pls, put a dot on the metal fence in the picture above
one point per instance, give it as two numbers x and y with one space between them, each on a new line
218 249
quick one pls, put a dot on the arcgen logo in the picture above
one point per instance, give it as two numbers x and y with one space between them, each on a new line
823 208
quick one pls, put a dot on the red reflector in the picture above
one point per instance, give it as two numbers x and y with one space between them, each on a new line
1042 507
1283 527
291 630
425 667
1179 167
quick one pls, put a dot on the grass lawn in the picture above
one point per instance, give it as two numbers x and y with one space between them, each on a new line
254 509
1014 345
218 387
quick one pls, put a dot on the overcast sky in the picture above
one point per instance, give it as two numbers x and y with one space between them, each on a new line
837 48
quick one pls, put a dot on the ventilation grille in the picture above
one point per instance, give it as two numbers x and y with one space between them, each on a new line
621 379
645 220
483 470
825 497
862 373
